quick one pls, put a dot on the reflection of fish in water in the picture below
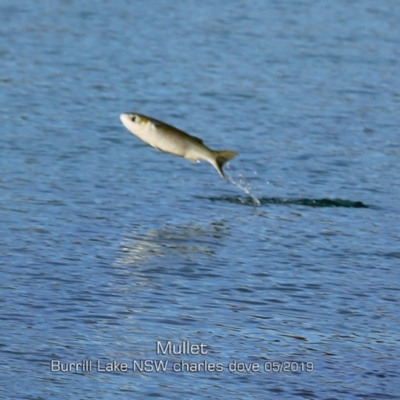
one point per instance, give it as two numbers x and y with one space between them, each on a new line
171 140
171 241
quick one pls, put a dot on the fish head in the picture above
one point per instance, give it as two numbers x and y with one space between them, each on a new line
133 121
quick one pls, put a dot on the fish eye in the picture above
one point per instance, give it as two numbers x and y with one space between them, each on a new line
135 118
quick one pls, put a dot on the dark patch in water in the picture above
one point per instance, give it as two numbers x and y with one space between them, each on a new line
299 202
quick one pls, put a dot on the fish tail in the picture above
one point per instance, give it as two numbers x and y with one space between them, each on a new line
221 157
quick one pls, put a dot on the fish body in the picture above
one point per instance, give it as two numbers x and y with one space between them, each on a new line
172 140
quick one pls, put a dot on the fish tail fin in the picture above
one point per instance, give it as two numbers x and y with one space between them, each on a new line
221 157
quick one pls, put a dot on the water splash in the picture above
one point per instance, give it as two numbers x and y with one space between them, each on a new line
315 203
239 181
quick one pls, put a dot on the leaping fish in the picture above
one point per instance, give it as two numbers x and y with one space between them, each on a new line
172 140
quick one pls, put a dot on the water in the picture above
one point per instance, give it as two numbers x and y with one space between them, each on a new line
109 246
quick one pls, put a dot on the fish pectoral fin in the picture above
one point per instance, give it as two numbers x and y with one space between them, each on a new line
164 151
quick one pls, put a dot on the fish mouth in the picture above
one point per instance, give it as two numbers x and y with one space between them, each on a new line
126 116
125 119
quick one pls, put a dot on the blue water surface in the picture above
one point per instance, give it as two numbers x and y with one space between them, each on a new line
109 246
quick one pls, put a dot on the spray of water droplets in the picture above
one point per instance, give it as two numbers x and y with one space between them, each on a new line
239 181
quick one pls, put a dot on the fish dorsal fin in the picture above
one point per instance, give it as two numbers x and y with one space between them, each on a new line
197 139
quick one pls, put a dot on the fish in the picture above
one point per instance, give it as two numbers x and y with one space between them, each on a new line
169 139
